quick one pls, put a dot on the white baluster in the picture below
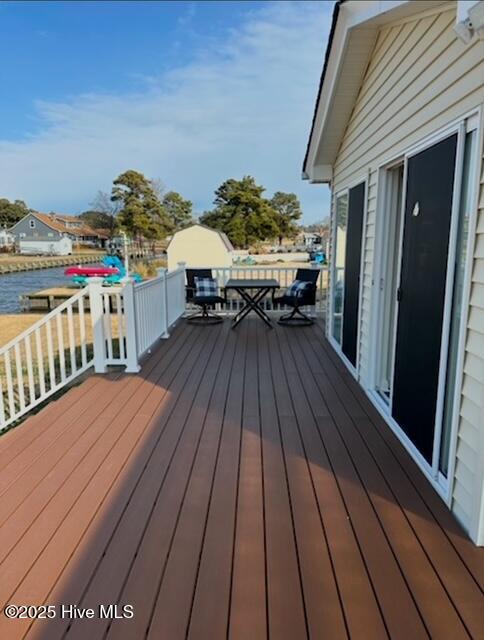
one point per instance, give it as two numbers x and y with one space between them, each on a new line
164 299
50 354
40 362
8 378
72 340
82 332
30 370
20 377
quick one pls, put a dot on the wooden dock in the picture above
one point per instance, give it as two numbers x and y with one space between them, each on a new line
240 486
45 299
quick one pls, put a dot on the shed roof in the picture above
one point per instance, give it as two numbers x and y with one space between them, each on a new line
224 237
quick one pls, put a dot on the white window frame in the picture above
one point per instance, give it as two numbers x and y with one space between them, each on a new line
32 223
354 370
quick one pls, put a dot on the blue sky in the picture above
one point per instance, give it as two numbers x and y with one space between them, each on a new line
190 93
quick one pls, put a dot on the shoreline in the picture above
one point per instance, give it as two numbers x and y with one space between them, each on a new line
17 264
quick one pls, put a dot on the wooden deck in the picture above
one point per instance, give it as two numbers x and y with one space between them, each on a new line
240 486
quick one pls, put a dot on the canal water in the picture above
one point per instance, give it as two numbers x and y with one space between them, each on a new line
12 285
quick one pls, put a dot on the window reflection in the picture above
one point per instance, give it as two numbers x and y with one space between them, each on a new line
341 222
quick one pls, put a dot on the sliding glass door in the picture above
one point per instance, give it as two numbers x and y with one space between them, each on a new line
425 205
348 232
339 253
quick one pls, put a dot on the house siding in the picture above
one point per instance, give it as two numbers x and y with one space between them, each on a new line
41 231
420 78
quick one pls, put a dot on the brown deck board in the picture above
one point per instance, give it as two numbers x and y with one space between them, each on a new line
156 410
472 556
211 598
248 606
54 530
174 598
141 524
360 605
286 610
464 596
240 486
382 530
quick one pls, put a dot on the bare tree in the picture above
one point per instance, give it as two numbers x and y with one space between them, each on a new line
158 187
103 204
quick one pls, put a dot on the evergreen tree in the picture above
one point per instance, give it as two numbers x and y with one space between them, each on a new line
12 212
141 214
288 212
177 209
242 212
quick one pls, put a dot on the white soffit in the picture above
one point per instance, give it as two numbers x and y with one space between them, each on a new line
351 47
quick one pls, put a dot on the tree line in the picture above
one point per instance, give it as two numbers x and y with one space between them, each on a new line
144 210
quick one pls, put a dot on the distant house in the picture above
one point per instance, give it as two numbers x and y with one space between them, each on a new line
310 238
397 132
44 228
7 239
200 246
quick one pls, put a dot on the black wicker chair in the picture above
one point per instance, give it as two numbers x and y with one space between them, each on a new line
206 303
296 318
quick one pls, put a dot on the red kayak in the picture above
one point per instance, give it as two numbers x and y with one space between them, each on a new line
91 272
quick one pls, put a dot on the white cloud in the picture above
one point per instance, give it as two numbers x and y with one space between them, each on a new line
243 105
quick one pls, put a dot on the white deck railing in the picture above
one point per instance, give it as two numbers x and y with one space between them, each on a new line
104 326
157 305
284 275
97 327
44 358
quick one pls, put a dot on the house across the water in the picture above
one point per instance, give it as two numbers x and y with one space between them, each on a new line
53 233
398 135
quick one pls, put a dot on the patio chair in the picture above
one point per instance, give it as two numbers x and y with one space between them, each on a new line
301 293
201 290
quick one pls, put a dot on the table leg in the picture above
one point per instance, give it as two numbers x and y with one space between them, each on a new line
252 304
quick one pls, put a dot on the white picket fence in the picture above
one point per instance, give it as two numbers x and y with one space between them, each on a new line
97 327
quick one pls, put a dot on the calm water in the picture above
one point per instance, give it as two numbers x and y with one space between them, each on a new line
12 285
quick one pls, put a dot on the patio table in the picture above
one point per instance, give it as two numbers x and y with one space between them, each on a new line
252 292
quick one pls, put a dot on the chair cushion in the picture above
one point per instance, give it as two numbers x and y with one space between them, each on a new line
202 300
298 288
206 288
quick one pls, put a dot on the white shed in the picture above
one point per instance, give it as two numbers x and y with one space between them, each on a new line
61 246
200 246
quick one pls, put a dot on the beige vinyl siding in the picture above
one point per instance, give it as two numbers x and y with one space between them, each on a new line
420 78
468 498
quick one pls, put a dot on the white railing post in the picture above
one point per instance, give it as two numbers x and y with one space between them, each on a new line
183 265
97 321
162 274
132 365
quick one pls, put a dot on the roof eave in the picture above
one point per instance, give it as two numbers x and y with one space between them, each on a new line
352 38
